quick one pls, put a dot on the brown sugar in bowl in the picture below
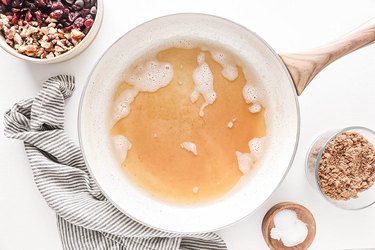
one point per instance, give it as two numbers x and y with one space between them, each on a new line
303 214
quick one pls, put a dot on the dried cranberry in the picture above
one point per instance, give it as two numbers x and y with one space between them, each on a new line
41 3
14 19
15 11
2 8
48 3
87 3
86 30
89 23
85 12
17 3
66 11
65 22
68 28
28 16
57 14
6 2
76 7
38 15
78 23
73 16
29 4
57 6
24 10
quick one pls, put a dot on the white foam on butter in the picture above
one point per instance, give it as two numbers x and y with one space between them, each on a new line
229 70
122 105
122 146
245 162
256 146
190 146
204 84
231 123
254 97
195 189
255 108
149 76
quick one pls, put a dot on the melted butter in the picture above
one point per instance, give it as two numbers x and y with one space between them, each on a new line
158 164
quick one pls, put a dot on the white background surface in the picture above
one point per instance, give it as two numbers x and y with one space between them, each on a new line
342 95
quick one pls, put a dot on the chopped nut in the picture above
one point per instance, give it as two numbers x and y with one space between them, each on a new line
32 30
33 23
76 34
46 45
61 44
44 30
10 33
10 42
50 20
39 52
59 49
31 48
21 49
50 55
45 38
67 36
18 39
52 31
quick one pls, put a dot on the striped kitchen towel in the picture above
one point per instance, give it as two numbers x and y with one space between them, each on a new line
85 218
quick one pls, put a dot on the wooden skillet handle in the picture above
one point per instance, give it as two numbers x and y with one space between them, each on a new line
303 67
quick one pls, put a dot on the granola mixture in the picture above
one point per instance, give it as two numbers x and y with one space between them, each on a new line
45 28
347 166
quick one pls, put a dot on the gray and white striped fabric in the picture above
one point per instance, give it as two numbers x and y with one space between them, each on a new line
86 220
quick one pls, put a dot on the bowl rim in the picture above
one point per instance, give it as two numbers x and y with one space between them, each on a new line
79 48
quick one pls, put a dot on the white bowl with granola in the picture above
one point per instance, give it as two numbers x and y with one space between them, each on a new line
48 31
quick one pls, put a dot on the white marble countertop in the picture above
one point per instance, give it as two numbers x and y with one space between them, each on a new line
342 95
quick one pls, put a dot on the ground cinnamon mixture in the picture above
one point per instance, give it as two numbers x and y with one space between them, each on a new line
347 166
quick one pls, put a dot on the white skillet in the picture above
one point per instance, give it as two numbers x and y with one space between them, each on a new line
281 76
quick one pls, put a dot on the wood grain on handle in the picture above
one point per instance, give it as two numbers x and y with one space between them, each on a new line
303 67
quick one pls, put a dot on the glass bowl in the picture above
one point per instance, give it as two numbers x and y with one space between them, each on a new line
365 198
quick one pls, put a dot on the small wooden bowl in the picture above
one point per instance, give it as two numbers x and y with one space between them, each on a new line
302 213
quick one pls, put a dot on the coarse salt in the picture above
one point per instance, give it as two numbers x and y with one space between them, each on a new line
288 228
